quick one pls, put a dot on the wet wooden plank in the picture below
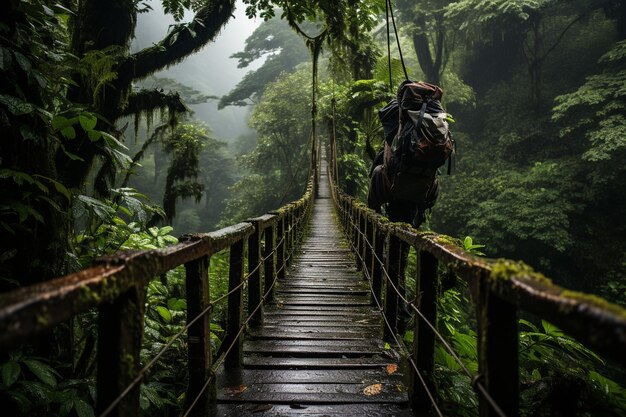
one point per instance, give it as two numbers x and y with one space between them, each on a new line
300 334
318 376
315 410
320 345
258 362
311 348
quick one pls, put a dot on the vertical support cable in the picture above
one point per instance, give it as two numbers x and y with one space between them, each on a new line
198 337
424 337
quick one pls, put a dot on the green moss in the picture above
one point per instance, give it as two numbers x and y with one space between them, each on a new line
42 320
595 301
504 269
445 240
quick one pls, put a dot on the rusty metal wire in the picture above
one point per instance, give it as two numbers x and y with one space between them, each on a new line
477 384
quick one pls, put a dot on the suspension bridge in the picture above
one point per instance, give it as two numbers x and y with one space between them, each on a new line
317 333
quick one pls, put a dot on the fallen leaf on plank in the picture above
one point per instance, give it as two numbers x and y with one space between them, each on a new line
235 390
374 389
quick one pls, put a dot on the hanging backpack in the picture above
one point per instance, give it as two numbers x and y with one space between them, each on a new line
417 142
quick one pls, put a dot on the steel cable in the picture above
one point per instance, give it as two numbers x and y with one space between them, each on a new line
151 363
476 382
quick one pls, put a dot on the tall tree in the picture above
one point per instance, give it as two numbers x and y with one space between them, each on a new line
73 120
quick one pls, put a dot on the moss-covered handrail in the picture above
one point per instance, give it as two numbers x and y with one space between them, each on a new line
499 287
117 286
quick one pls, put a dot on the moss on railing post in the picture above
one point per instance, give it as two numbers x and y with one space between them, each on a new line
498 361
290 229
254 274
198 337
235 306
423 336
120 331
269 264
391 296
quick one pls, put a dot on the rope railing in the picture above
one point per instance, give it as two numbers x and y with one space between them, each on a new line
117 286
499 289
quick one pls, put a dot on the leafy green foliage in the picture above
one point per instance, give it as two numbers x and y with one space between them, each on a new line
277 164
283 50
31 385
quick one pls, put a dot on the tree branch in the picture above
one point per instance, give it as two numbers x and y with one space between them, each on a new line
146 101
181 42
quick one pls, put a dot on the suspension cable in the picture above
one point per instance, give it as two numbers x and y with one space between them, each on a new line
222 358
393 333
395 30
210 307
475 381
388 45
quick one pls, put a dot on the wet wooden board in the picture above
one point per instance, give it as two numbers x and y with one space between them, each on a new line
320 345
275 410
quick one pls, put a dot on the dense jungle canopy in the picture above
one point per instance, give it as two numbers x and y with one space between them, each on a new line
101 150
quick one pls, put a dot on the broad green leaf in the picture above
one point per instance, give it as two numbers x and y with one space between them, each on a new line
69 132
112 141
42 371
551 329
5 58
82 408
60 122
177 304
165 230
22 61
15 105
10 373
165 313
87 121
94 135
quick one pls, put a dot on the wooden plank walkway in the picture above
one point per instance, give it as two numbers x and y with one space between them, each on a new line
320 347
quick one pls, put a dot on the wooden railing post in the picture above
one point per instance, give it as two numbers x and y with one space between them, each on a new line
423 336
391 296
198 336
254 275
354 226
369 247
498 362
361 243
120 331
235 306
280 246
377 270
269 265
290 228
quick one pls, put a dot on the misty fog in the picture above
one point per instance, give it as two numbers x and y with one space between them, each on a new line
211 71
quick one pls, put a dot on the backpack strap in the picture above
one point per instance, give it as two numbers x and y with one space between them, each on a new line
451 153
